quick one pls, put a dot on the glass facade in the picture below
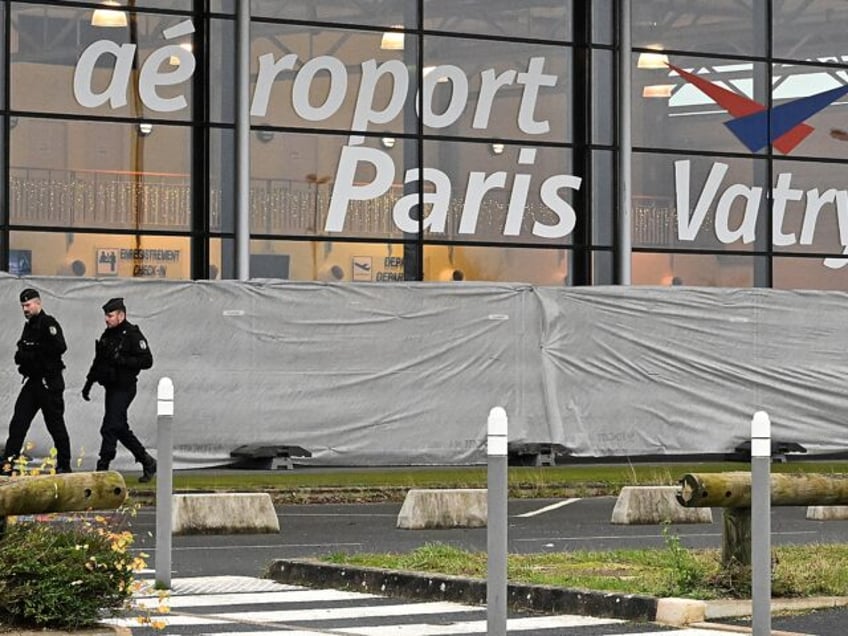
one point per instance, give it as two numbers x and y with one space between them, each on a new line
428 140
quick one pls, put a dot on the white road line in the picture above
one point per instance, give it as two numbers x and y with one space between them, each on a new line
479 627
270 546
688 632
307 615
540 511
287 632
252 598
618 537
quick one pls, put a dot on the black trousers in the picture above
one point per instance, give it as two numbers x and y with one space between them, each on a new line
46 396
116 427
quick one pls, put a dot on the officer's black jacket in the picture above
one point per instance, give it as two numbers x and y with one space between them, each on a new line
119 355
40 349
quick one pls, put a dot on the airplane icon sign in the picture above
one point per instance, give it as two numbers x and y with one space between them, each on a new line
754 125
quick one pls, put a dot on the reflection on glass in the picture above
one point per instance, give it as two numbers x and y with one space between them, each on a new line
457 263
99 255
366 12
527 19
810 273
325 261
709 26
695 270
91 62
100 174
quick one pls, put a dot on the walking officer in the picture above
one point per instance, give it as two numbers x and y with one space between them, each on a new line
39 360
119 355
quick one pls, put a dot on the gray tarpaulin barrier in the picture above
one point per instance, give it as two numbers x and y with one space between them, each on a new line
382 374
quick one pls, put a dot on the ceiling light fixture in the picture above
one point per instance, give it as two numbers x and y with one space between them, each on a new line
658 91
109 17
392 40
653 60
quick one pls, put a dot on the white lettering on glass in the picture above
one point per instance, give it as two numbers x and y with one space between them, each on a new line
690 222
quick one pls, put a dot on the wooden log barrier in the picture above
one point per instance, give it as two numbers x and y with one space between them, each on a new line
71 492
732 491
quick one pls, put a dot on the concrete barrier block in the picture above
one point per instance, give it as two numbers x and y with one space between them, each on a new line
827 513
653 505
680 611
444 508
224 513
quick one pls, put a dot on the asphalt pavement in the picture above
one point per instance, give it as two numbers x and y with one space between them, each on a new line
535 525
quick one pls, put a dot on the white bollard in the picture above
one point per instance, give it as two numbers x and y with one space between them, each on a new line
761 524
496 529
164 481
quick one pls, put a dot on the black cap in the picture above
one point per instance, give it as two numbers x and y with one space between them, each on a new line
29 294
114 304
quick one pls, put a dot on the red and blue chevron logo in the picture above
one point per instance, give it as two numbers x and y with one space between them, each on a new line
755 125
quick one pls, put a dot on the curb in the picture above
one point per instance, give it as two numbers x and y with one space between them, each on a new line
441 587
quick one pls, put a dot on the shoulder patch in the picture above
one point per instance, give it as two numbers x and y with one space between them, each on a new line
142 344
53 331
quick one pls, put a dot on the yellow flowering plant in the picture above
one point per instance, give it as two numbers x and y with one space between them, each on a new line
67 571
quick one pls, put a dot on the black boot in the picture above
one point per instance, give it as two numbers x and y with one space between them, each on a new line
63 470
101 465
148 469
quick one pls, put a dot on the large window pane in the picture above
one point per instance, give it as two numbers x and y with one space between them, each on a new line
705 26
365 12
102 255
320 185
176 5
693 202
497 89
497 264
692 111
805 29
810 273
491 192
536 19
699 270
100 174
328 78
325 261
49 44
821 92
810 207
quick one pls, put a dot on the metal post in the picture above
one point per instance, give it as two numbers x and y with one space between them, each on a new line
242 141
761 524
625 146
496 523
164 481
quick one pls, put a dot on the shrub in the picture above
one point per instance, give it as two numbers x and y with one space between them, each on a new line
63 576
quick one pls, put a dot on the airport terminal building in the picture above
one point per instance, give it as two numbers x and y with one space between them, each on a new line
564 143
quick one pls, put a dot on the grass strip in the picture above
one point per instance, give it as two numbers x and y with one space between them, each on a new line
391 484
799 571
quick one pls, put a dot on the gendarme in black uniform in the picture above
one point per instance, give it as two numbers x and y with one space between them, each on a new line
119 355
39 360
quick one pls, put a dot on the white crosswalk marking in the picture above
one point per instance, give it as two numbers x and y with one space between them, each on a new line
295 595
239 606
479 627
